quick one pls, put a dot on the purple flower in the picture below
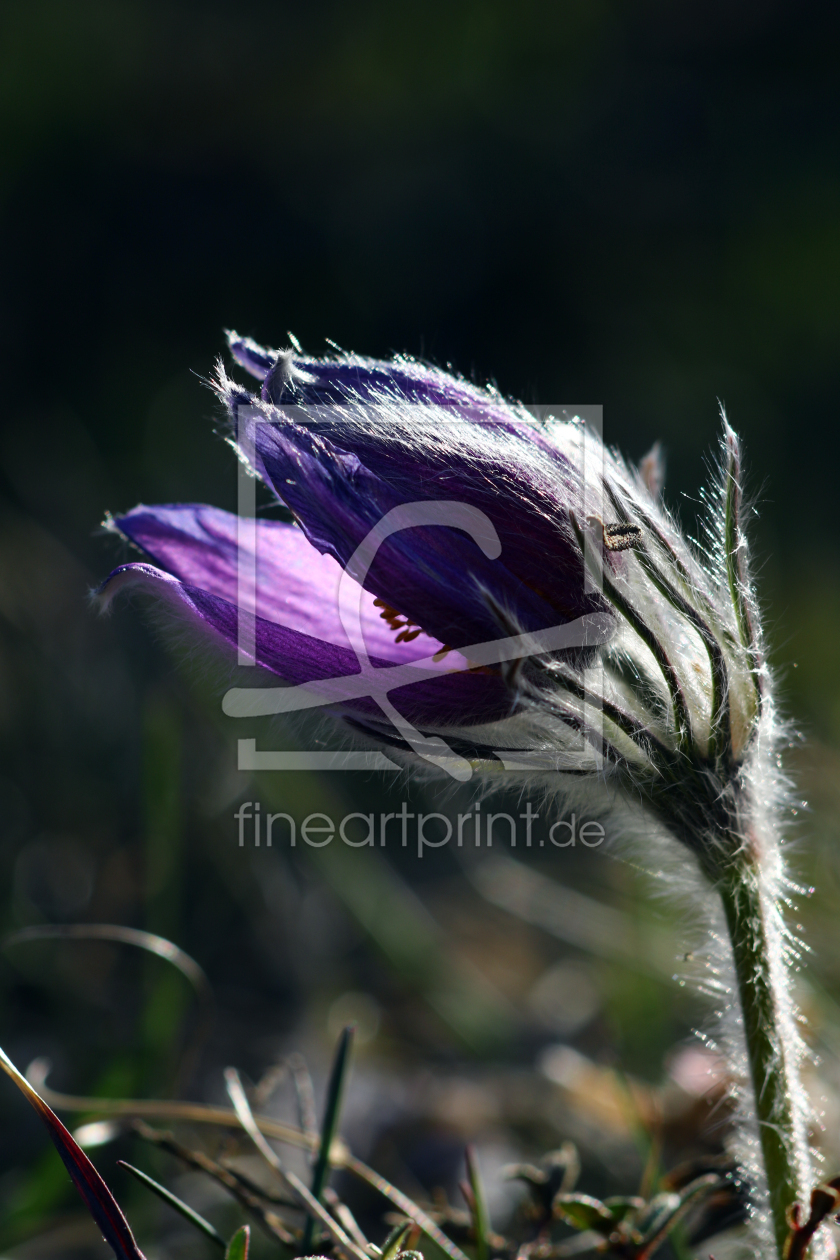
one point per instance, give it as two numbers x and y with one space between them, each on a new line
342 442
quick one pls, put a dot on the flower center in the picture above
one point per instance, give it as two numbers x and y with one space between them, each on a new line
406 629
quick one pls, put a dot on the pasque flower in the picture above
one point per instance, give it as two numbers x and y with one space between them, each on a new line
557 621
342 442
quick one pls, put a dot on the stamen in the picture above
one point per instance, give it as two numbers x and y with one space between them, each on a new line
408 629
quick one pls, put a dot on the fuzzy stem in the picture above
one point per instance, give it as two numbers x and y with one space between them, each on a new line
752 918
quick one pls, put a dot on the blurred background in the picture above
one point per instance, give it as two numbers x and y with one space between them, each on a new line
589 202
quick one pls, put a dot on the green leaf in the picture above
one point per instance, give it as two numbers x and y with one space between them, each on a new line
667 1210
478 1206
177 1204
621 1206
659 1211
238 1245
584 1212
329 1129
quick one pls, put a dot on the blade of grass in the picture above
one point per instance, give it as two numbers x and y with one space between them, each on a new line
332 1110
304 1095
239 1244
169 1109
478 1206
270 1196
177 1204
121 935
246 1195
151 944
269 1081
392 1245
224 1117
405 1205
101 1204
344 1216
243 1110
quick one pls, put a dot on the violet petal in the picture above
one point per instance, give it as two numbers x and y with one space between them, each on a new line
296 586
451 699
406 424
435 576
296 379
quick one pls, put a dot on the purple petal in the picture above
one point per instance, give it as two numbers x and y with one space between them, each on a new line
297 379
291 378
252 357
296 586
452 699
506 477
435 576
428 435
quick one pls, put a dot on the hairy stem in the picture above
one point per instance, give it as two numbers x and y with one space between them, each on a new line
756 933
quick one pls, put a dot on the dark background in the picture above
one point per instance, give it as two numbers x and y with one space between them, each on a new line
594 203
